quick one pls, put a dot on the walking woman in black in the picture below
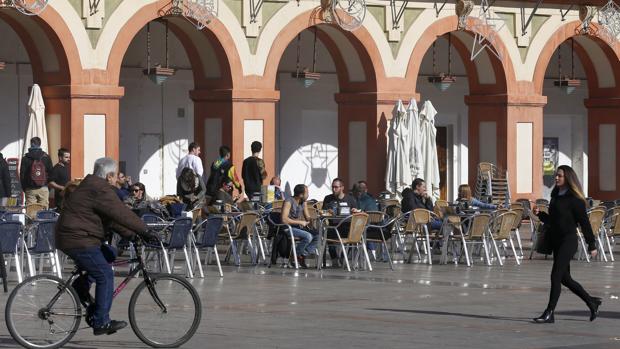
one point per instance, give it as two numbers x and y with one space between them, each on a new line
567 210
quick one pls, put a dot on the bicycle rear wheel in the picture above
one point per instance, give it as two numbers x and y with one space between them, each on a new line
29 320
173 326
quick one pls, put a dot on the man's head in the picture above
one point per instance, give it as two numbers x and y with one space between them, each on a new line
419 186
121 180
301 191
275 181
256 147
360 188
225 152
35 142
226 185
106 168
194 148
64 157
338 187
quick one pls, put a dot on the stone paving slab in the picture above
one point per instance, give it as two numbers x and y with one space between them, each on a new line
415 306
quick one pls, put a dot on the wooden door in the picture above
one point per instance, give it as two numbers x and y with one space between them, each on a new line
442 159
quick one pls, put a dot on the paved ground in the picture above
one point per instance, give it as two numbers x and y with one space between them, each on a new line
415 306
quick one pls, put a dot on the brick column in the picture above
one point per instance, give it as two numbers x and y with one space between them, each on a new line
603 148
73 104
507 130
372 111
228 110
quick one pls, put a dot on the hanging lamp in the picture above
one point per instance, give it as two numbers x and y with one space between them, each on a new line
305 76
156 74
442 81
567 84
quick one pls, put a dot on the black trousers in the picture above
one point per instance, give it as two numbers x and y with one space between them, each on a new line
563 252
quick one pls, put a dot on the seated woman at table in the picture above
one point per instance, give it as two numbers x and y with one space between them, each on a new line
137 196
466 197
191 189
295 213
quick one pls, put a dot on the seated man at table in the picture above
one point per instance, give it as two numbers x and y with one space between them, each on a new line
366 203
332 202
295 213
417 197
224 193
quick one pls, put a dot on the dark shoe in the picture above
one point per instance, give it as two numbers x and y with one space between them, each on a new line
109 328
545 318
301 260
594 304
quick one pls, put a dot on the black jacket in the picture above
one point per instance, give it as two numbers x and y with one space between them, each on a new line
5 178
412 201
24 169
565 213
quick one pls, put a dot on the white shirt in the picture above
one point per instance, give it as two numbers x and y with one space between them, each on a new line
192 161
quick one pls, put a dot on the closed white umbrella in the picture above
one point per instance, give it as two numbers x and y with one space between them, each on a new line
428 134
398 172
36 119
415 151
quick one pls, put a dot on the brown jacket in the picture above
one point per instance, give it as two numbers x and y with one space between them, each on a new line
91 209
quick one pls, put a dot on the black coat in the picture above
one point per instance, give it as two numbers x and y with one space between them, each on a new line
412 201
24 169
5 178
566 212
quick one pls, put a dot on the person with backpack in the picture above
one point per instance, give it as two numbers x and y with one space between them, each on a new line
220 169
34 173
253 171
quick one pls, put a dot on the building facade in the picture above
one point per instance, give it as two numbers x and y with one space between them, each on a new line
233 84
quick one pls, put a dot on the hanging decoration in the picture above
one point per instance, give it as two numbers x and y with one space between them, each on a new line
27 7
347 14
567 83
609 19
306 76
157 74
442 81
586 15
486 30
198 12
463 8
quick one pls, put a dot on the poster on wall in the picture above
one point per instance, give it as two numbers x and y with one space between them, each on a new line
16 188
551 156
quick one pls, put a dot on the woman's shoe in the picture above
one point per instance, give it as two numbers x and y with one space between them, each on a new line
545 318
594 304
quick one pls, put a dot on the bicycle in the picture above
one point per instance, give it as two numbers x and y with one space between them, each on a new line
45 312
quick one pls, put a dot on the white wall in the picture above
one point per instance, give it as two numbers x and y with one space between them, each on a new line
15 80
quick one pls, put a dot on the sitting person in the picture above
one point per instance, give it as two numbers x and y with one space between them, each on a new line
277 182
465 196
137 196
295 213
332 203
224 194
191 189
417 197
365 202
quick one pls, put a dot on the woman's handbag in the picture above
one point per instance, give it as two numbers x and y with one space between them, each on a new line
543 241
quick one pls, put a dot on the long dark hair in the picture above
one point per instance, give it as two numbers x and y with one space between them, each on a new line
571 181
188 179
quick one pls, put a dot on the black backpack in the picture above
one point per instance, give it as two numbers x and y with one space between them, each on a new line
216 176
281 246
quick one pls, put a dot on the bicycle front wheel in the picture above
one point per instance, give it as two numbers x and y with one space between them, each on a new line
42 312
166 314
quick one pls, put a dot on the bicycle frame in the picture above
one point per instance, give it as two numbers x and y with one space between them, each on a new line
132 273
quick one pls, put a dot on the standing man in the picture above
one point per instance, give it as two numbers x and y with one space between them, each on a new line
60 176
253 171
191 160
5 179
220 169
34 174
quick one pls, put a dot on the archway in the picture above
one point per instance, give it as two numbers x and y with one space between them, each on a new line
323 129
581 128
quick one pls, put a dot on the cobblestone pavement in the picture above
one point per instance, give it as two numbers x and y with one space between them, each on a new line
415 306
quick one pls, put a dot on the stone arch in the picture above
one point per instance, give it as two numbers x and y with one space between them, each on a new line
595 72
505 81
359 42
216 36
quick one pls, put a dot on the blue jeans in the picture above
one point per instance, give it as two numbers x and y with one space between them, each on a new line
435 224
308 242
98 268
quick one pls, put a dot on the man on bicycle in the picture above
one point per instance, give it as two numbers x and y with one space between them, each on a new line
90 211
